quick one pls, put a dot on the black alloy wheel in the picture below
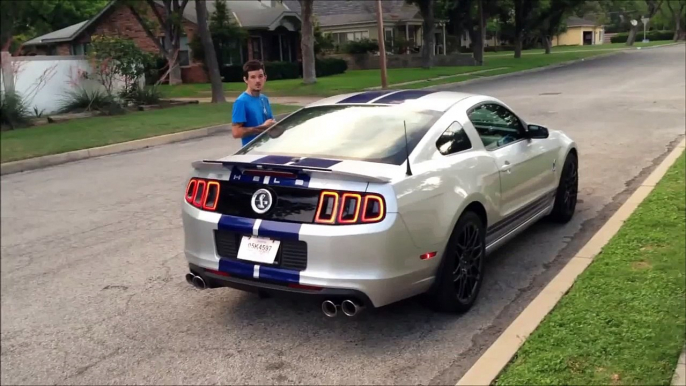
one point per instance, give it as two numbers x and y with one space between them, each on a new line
567 191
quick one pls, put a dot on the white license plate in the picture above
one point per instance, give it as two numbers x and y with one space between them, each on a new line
258 249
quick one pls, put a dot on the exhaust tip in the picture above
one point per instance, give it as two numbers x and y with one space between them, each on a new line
199 283
349 307
329 308
189 278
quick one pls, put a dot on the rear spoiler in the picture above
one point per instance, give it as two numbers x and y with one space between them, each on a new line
209 165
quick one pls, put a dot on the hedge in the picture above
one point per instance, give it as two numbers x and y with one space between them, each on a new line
650 35
288 70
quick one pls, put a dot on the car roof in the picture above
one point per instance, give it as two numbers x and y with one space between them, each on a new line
423 99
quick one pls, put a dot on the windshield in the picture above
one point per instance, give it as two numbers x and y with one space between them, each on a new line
365 133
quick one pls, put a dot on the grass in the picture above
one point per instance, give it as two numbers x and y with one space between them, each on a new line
358 80
623 320
99 131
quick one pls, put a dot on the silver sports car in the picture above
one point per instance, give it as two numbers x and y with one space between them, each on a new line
364 199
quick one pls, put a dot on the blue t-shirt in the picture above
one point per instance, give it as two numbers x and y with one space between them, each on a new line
251 111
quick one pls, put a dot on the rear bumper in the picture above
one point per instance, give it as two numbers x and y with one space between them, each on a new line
213 280
378 263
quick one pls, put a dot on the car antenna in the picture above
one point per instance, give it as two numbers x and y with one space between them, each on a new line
407 151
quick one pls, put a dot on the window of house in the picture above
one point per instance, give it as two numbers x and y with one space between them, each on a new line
453 140
497 126
184 51
344 37
256 47
79 49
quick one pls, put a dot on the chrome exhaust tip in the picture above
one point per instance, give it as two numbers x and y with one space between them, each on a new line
199 283
329 308
189 278
350 307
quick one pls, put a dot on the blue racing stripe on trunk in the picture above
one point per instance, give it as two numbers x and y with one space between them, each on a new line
236 268
277 274
365 96
279 230
273 159
402 96
236 224
317 162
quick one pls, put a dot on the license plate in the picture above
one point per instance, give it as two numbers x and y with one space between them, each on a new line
258 249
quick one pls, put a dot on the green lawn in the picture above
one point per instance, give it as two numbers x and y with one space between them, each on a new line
358 80
99 131
623 320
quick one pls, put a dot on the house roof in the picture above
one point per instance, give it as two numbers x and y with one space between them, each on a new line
342 12
249 14
574 21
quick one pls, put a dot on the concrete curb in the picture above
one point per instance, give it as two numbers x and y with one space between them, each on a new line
679 378
489 366
77 155
517 73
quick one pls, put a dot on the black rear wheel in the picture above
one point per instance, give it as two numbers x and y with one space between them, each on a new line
460 274
567 191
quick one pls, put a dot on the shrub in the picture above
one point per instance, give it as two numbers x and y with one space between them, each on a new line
287 70
14 112
360 46
281 70
650 35
329 66
83 100
142 96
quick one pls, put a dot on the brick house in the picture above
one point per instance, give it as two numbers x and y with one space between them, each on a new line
273 33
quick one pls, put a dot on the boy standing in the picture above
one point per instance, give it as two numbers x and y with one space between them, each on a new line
252 113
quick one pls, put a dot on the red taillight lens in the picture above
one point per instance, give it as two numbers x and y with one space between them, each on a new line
202 194
328 207
354 208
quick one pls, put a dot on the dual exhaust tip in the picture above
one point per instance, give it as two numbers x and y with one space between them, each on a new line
196 281
348 306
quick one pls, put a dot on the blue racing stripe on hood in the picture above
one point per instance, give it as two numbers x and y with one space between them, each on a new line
273 159
365 97
279 230
402 96
236 224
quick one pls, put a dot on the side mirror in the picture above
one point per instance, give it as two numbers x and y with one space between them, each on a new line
537 132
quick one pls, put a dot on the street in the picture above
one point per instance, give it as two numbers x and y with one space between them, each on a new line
93 288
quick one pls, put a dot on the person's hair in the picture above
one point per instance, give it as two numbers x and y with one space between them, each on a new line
252 65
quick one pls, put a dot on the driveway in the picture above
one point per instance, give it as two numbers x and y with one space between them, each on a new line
92 267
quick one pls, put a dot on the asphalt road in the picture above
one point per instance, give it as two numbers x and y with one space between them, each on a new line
92 266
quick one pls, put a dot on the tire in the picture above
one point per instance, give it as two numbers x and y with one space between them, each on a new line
567 191
464 245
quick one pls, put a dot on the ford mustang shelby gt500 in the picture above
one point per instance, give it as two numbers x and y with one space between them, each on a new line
368 198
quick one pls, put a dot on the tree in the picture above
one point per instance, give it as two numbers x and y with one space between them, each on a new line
525 16
551 19
307 42
210 54
427 10
227 35
171 22
653 7
678 11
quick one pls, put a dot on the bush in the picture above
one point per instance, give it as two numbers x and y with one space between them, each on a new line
281 70
83 100
142 96
14 113
360 46
650 35
329 66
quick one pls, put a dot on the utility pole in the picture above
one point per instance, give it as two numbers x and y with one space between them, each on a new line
382 44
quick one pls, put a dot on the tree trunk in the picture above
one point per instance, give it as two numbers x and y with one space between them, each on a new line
479 43
548 44
518 46
428 30
632 35
307 43
210 54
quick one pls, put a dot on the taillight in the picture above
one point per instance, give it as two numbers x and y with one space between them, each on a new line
349 208
202 193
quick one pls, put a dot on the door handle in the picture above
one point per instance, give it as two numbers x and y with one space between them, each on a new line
506 167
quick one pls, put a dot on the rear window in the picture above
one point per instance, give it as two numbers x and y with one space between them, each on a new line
365 133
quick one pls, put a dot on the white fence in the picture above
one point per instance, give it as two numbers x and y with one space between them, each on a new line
44 81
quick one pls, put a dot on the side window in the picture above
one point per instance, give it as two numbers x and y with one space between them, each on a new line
496 125
453 140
